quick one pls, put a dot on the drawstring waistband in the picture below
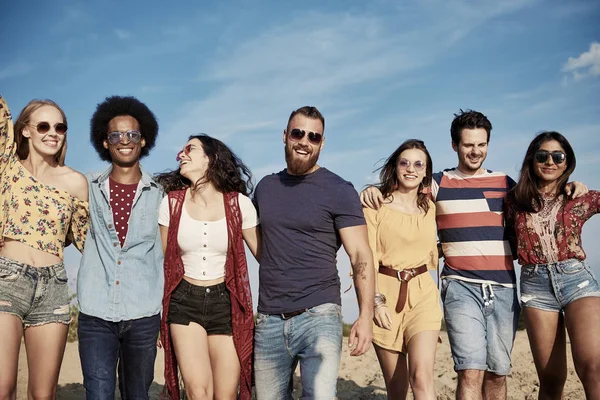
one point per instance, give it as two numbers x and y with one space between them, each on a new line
487 300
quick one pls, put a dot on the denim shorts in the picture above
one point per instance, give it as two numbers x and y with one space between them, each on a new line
481 320
551 287
208 306
37 295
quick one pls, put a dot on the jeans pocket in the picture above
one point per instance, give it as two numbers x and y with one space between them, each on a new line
8 274
528 271
325 309
60 275
444 288
260 319
571 267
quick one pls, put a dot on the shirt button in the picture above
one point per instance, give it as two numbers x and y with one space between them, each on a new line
204 246
115 244
118 262
117 282
204 233
109 226
204 258
207 290
203 272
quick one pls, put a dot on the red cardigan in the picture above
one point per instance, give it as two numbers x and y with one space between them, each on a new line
236 280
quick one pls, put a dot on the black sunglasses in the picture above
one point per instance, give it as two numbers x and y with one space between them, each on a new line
133 136
44 127
558 157
313 137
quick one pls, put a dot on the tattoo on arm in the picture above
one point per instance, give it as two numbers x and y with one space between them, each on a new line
359 270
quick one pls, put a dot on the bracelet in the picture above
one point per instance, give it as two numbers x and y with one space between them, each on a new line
379 299
377 306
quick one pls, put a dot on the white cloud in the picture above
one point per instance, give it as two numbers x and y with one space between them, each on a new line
16 69
122 34
585 65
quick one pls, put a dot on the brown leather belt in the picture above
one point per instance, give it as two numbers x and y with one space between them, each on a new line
292 314
404 276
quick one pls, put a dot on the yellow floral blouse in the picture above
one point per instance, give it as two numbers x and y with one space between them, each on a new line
32 212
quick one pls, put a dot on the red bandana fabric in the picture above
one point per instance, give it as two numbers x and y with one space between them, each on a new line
236 280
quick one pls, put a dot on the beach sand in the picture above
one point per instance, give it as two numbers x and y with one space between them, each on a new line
359 377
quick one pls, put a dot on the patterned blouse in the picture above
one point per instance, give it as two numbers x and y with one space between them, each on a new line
554 233
32 212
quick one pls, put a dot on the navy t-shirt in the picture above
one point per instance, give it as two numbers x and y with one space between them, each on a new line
300 217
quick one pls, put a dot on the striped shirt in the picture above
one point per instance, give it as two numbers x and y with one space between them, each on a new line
470 220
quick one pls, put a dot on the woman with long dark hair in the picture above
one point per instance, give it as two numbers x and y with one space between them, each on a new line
402 235
207 323
558 287
43 207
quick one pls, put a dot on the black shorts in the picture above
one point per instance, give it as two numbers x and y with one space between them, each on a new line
208 306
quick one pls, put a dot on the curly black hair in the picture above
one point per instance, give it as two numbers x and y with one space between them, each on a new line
115 106
225 171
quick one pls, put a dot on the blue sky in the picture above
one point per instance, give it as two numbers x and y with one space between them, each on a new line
380 71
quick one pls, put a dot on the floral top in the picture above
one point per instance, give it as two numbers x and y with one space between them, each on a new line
32 212
554 233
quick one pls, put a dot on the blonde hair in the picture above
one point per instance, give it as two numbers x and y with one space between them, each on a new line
25 119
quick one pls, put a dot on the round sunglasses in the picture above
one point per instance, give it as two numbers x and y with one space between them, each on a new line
133 136
43 127
297 134
558 157
417 165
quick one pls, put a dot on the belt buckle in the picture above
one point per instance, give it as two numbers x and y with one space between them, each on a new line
410 272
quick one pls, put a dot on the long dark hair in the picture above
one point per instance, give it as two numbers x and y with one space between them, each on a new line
525 196
388 177
225 171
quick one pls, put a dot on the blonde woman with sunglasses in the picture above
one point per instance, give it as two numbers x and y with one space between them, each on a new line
43 207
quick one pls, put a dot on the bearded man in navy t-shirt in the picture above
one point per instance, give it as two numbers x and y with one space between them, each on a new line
306 213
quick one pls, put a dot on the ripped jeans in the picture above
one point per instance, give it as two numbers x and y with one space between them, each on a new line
551 287
37 295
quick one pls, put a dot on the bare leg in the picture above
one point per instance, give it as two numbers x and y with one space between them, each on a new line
45 345
191 349
470 385
582 318
225 366
11 332
421 361
547 338
395 372
494 386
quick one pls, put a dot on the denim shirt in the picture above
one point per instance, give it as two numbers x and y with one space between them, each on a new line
117 283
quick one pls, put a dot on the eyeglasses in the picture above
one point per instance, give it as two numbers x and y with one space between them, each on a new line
313 137
116 137
418 165
186 150
558 157
44 127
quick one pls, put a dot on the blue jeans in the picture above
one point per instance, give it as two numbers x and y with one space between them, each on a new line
551 287
130 343
313 338
481 321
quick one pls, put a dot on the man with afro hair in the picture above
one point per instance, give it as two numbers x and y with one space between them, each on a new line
120 280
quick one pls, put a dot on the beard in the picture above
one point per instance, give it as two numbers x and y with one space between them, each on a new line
296 166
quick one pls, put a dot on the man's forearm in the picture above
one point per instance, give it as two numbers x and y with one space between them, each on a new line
364 282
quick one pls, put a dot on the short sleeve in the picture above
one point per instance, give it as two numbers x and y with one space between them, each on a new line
80 222
163 212
249 215
7 136
347 210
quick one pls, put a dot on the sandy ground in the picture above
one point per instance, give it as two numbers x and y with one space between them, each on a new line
359 378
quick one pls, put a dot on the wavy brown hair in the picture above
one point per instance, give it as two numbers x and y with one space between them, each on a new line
388 176
25 119
225 171
525 196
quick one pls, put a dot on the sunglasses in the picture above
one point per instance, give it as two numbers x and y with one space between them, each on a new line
116 137
417 165
44 127
558 157
313 137
186 150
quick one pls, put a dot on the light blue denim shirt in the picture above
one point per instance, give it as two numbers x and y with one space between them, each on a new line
122 283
